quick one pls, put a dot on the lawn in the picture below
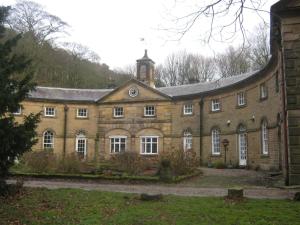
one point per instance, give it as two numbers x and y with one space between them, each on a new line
72 206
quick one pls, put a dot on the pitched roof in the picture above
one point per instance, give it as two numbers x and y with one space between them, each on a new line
199 88
93 95
68 94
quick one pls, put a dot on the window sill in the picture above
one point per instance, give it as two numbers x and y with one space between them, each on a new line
216 155
50 117
216 111
241 106
265 156
263 99
81 118
148 154
118 117
149 116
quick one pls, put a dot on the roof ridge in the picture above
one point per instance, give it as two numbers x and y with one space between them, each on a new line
75 89
213 81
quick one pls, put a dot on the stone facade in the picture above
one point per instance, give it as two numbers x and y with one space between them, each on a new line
248 110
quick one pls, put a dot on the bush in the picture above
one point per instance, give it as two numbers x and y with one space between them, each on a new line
220 165
181 162
39 161
129 162
165 170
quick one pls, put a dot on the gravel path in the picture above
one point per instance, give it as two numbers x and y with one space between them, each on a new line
258 193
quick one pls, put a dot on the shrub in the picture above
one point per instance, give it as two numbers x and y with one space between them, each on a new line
181 162
39 161
129 162
165 170
71 163
220 165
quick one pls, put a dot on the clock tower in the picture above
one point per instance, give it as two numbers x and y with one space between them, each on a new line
145 70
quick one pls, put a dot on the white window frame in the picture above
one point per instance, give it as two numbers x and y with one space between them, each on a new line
215 105
241 100
18 112
144 142
149 112
187 141
188 109
117 143
263 91
51 143
264 138
46 111
116 113
81 138
82 113
215 142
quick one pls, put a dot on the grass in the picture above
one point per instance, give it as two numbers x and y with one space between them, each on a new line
72 206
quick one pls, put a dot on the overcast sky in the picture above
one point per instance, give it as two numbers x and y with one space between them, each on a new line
114 28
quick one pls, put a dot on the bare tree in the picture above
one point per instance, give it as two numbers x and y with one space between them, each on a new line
28 16
226 18
260 47
185 68
233 62
82 52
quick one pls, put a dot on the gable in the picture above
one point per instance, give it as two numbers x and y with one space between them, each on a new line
143 93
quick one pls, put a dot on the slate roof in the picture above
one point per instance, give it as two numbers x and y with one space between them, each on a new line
192 89
93 95
68 94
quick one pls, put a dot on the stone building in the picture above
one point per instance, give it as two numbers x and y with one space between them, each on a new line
257 113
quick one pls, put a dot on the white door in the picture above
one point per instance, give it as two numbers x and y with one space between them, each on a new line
242 149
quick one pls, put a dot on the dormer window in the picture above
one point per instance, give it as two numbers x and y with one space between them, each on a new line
215 105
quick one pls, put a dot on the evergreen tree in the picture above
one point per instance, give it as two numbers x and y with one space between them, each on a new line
15 84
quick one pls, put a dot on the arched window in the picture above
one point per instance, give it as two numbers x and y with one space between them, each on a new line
81 145
48 139
187 140
215 142
264 137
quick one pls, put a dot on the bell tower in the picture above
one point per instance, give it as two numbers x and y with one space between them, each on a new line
145 70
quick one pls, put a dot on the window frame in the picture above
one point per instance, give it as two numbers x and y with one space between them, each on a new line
119 143
215 141
116 110
215 102
146 111
263 91
186 108
239 98
187 141
264 138
81 116
18 112
49 143
47 114
81 137
144 143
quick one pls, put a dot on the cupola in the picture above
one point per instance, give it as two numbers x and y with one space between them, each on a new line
145 70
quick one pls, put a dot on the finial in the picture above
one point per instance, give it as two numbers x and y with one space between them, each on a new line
146 54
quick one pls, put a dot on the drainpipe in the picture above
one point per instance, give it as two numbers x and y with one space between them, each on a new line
66 108
201 103
285 126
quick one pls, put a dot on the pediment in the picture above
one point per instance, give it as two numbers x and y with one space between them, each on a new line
134 91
